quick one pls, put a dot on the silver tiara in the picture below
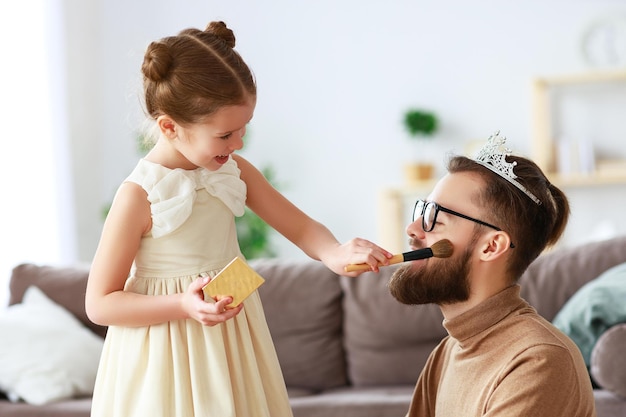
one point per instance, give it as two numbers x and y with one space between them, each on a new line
493 156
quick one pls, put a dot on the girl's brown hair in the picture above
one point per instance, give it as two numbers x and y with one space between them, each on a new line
191 75
532 226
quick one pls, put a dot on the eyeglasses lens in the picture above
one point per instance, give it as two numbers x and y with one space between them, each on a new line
418 210
428 221
428 211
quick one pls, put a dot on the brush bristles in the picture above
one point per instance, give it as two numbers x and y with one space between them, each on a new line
442 249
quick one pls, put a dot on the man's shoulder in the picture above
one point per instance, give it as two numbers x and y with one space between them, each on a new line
536 330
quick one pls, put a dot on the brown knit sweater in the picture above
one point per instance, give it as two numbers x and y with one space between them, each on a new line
502 359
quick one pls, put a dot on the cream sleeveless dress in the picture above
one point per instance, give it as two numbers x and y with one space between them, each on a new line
182 368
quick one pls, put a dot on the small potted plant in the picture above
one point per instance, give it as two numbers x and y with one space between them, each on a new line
421 125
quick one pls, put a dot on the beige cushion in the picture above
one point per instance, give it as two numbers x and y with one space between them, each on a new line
64 285
387 342
608 362
302 303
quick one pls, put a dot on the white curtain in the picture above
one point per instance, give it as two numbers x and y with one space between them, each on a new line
36 211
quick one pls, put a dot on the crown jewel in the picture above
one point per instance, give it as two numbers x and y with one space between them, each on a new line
493 156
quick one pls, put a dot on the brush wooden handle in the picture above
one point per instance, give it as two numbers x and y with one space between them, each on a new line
365 267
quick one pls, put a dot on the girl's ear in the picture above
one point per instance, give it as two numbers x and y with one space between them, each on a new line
167 126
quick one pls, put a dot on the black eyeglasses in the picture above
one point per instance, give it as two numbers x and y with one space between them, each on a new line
429 211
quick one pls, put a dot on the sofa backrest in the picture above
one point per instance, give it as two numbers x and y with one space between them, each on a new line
63 285
556 275
330 330
302 304
386 342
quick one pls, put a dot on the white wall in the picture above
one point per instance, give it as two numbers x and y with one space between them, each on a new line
36 213
333 80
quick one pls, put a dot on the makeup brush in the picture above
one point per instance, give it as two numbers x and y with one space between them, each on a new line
440 249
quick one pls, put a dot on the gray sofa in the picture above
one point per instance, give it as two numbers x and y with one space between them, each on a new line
347 348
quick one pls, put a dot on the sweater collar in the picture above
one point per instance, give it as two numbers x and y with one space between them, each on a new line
484 315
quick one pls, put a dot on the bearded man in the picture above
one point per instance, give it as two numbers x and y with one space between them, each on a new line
500 357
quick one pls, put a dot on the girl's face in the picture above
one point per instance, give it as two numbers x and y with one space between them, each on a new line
209 144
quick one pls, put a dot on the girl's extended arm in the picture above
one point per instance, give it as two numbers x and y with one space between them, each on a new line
106 301
309 235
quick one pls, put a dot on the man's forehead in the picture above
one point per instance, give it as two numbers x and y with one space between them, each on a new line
457 189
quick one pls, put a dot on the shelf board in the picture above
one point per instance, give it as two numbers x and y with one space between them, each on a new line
587 180
582 78
598 178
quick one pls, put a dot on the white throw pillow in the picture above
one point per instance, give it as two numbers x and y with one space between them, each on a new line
46 354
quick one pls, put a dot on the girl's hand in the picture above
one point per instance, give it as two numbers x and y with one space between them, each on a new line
208 314
356 251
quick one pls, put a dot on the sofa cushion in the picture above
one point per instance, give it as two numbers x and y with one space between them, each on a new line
48 354
387 343
355 402
593 309
64 285
608 363
75 407
555 276
302 303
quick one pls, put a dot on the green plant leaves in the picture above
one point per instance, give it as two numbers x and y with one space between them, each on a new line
420 122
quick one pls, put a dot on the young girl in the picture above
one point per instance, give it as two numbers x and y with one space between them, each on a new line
171 227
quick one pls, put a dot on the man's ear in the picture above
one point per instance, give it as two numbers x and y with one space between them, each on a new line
167 126
494 244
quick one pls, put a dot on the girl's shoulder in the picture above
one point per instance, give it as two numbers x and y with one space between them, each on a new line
247 171
147 174
153 177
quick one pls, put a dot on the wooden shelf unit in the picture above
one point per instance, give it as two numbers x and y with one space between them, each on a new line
543 145
392 201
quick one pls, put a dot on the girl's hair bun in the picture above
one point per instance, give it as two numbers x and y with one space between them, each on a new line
157 61
189 76
219 29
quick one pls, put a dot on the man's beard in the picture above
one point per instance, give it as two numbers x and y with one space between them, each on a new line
444 281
